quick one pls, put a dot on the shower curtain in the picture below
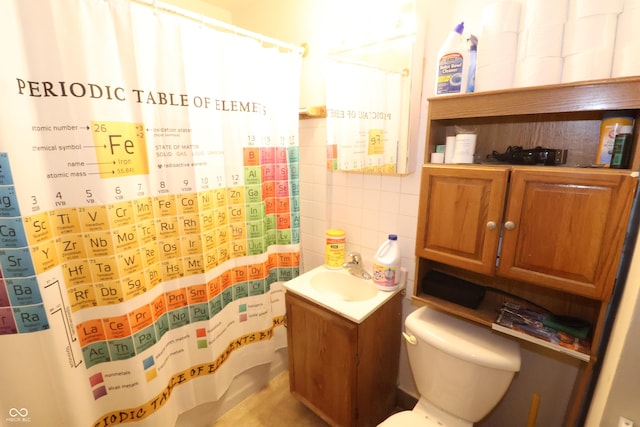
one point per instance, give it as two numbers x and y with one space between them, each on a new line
149 210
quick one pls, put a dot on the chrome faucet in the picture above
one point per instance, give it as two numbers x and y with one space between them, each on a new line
355 266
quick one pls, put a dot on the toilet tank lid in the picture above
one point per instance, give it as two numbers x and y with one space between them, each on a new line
463 339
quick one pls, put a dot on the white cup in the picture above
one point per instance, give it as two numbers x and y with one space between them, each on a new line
437 157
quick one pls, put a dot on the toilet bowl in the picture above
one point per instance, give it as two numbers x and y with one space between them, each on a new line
461 370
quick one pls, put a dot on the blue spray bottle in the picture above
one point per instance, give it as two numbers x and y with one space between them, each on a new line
473 55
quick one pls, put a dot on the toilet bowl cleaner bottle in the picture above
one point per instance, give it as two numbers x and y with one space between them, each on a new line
386 265
453 63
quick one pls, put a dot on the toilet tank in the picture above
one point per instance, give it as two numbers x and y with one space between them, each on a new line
461 367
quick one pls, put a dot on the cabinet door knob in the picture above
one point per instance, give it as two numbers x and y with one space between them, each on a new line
491 225
509 225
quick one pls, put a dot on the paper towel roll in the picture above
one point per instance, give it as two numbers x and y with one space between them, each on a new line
449 147
589 33
541 41
495 76
626 61
496 47
626 48
538 71
465 148
501 16
582 8
545 12
591 65
628 30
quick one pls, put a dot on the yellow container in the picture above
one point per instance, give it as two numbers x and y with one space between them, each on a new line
334 248
609 128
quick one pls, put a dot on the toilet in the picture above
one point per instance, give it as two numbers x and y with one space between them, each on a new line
461 370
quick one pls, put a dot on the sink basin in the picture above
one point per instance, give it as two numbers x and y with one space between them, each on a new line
344 286
340 292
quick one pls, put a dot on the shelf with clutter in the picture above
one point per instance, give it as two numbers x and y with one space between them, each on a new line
482 299
565 116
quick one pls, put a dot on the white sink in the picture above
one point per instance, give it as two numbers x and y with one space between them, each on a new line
341 292
343 286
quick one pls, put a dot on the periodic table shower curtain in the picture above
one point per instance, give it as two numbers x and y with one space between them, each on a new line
149 209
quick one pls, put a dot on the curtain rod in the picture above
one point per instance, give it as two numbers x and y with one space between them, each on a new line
214 23
375 42
335 58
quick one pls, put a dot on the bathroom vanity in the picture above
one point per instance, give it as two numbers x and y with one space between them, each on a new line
550 235
343 367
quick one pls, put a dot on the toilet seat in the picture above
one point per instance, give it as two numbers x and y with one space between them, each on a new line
408 419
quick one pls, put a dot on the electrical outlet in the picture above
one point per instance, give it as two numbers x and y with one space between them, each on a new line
625 422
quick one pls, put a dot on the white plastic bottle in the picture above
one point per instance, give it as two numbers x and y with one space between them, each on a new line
453 63
386 265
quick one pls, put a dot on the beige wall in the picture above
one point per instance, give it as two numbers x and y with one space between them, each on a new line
617 392
203 7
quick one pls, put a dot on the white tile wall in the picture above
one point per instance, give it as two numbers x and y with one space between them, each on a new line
367 207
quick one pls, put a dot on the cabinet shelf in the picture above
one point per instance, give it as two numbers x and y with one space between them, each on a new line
315 112
573 353
566 116
580 97
486 314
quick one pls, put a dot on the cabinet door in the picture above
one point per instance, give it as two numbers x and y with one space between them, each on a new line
565 228
322 360
460 214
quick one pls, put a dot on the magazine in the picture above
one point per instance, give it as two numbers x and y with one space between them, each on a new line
530 322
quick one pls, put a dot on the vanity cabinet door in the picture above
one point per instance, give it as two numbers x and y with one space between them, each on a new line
460 215
322 360
565 229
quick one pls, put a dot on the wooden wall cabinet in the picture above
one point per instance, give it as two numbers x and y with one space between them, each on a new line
344 371
558 227
550 235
